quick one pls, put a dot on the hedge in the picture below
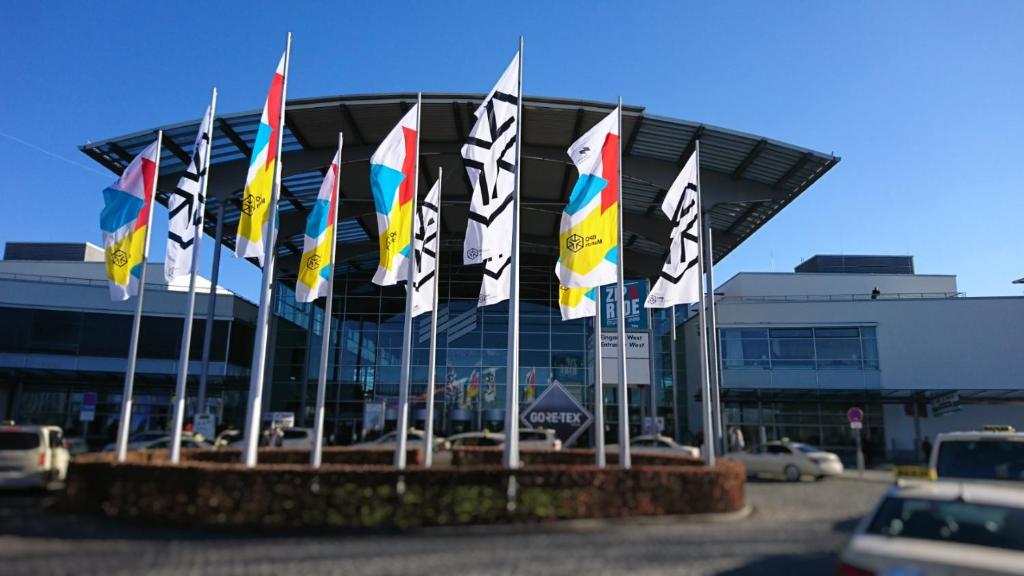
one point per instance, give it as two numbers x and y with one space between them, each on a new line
347 496
492 456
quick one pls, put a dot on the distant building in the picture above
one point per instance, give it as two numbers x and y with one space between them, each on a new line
61 337
799 349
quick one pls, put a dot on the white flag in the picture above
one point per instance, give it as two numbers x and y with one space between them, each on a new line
679 281
185 207
490 155
428 224
577 302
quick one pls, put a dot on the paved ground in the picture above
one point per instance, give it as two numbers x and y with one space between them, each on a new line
794 529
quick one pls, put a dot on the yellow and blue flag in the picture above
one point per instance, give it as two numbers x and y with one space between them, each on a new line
589 232
254 226
393 183
125 220
317 265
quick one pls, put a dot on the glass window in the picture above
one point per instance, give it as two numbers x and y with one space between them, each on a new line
981 460
55 331
12 440
795 349
974 523
790 333
836 333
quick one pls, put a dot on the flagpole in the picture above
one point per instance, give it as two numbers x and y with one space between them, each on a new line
428 447
675 380
124 426
716 401
624 453
211 305
511 456
709 446
252 425
316 455
410 286
190 304
599 453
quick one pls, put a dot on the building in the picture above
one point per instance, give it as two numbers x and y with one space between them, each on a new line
799 349
63 338
746 180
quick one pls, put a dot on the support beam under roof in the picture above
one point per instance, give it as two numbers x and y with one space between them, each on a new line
751 156
234 137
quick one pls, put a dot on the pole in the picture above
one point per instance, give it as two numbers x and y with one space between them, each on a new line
211 309
716 401
705 381
428 443
315 456
675 380
403 385
259 356
511 456
860 454
186 336
304 381
124 426
624 456
599 452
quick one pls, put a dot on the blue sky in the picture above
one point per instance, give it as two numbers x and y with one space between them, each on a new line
924 101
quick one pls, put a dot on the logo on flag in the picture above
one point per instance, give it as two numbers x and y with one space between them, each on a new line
490 155
254 226
428 220
185 206
590 223
577 302
393 181
124 222
316 267
679 280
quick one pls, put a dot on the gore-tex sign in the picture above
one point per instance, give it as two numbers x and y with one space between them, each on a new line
558 410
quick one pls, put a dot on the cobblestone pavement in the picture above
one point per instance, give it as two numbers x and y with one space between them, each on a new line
793 529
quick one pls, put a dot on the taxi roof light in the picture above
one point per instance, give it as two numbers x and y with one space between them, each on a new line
997 428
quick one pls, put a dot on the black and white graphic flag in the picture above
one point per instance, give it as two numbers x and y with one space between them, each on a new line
185 207
425 244
490 156
679 281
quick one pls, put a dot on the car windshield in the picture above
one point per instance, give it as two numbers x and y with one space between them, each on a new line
19 440
805 448
981 459
950 521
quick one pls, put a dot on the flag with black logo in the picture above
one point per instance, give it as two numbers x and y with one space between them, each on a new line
490 155
427 223
185 207
679 281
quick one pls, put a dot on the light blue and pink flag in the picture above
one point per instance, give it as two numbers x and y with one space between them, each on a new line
393 182
125 220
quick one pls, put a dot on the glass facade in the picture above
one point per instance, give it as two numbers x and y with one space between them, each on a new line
472 352
831 348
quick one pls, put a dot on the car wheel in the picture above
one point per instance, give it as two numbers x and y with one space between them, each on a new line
792 473
819 477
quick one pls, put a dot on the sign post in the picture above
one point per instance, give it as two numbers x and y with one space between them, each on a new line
856 417
559 410
88 411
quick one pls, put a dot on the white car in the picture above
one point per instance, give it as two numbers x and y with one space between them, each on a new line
943 528
792 460
656 446
995 453
32 456
475 439
529 438
158 440
414 439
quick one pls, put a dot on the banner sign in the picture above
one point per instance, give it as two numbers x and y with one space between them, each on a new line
637 317
946 403
558 410
88 411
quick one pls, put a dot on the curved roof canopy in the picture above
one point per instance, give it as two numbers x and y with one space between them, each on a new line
745 179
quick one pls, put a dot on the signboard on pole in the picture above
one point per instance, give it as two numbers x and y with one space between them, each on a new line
88 411
946 403
558 410
638 357
205 424
636 315
855 415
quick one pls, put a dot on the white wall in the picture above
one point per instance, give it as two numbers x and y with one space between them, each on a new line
752 284
923 344
899 428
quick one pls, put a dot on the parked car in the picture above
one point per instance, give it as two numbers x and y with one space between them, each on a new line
32 456
993 453
939 528
414 438
656 445
76 445
539 439
792 460
156 441
476 439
